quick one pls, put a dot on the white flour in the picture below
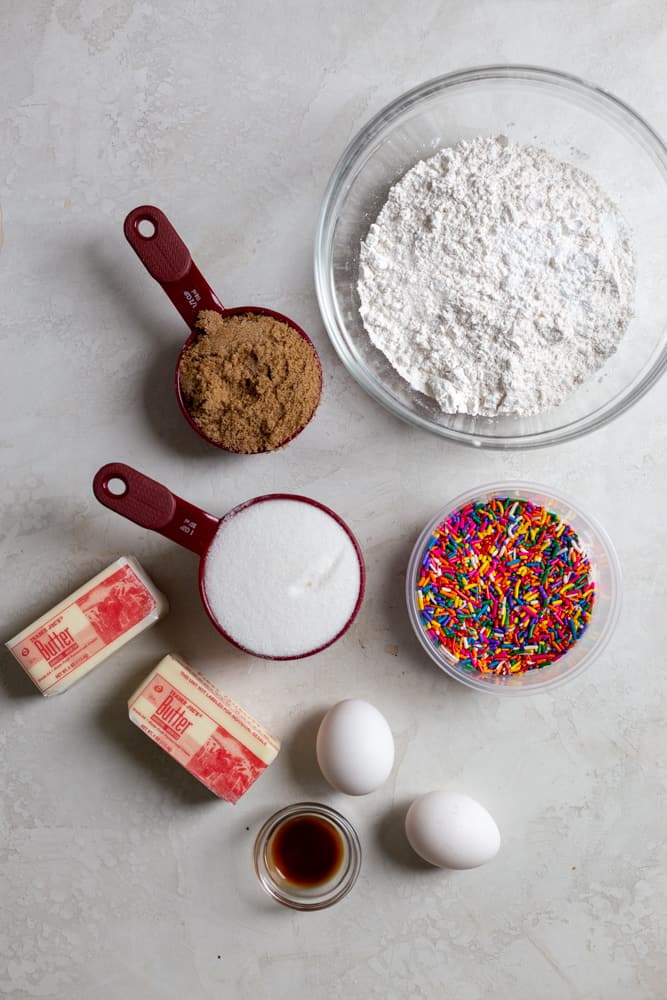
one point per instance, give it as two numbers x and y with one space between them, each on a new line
496 278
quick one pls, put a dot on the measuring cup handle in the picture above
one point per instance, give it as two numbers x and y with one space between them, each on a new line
151 505
167 259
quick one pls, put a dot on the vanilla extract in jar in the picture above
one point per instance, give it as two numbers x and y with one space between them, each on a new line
306 851
307 856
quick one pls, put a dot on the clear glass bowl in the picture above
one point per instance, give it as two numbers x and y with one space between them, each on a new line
606 573
574 121
314 897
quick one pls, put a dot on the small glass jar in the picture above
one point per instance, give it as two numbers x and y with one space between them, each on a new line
293 892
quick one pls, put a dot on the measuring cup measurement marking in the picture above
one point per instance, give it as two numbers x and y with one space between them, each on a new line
151 505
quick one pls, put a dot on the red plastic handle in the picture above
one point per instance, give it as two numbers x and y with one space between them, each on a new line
167 259
151 505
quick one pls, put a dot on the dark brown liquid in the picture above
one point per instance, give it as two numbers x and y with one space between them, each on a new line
306 850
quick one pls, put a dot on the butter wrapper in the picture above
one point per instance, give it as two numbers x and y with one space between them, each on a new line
82 631
211 736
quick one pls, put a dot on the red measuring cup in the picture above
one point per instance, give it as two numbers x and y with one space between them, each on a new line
167 259
151 505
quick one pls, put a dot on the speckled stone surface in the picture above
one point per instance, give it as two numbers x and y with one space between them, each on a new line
121 877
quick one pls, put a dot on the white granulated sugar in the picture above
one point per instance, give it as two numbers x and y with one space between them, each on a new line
496 278
282 577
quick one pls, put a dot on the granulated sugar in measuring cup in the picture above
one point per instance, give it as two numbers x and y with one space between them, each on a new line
281 576
248 380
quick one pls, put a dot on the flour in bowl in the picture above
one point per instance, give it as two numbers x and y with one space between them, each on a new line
496 278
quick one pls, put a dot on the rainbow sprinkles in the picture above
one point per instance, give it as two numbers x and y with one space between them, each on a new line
504 586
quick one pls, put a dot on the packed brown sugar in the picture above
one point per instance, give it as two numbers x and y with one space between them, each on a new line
249 382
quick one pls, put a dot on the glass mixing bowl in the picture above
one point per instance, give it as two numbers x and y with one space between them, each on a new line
605 572
572 120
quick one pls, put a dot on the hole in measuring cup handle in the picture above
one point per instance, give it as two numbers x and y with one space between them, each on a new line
112 484
145 227
116 486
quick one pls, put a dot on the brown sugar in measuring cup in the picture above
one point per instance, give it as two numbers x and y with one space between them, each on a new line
248 380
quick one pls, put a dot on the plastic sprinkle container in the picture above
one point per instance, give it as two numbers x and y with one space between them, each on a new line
512 588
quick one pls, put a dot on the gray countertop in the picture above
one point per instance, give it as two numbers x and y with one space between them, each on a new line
120 876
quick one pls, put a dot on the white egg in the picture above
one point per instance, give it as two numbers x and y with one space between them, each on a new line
355 748
451 830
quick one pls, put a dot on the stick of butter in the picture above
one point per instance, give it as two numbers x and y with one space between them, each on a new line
78 634
203 729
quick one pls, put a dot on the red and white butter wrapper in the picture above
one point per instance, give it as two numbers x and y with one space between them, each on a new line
78 634
202 728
